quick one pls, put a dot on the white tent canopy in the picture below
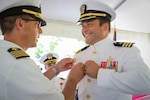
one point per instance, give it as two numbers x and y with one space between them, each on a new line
132 15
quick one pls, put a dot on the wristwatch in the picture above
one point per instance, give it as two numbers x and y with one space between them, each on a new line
55 70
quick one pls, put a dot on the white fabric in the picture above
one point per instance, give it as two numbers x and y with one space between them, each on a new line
132 77
100 6
58 83
21 79
6 4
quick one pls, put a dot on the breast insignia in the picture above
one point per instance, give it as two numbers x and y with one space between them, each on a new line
17 53
123 44
82 49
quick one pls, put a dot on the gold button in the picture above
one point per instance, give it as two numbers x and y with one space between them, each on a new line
88 96
94 52
88 80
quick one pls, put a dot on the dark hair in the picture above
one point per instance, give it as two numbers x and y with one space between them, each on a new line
104 20
7 23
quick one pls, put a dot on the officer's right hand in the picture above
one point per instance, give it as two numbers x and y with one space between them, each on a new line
76 73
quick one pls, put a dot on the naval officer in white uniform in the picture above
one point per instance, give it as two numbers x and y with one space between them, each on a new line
49 60
114 70
20 77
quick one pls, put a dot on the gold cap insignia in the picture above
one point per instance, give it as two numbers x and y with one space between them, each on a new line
50 59
82 9
49 56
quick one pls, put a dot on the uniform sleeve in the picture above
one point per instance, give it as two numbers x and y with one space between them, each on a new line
134 77
26 82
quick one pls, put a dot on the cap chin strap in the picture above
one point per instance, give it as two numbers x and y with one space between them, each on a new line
36 14
90 14
93 14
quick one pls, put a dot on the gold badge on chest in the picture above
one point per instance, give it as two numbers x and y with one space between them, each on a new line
94 52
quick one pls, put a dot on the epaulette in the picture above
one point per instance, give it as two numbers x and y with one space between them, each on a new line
17 53
62 78
82 49
123 44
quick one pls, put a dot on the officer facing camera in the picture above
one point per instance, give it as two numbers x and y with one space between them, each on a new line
49 60
113 70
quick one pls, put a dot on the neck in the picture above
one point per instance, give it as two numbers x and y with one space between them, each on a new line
15 39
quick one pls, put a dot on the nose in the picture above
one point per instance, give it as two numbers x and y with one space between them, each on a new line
84 28
40 30
85 25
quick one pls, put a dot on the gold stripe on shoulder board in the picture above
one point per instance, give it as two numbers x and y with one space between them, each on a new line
17 53
82 49
123 44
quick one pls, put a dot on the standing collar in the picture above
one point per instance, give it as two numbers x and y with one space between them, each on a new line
103 45
103 42
5 43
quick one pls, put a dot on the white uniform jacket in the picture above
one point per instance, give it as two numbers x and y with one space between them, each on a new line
122 72
21 78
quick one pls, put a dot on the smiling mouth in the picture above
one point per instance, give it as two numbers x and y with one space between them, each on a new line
87 34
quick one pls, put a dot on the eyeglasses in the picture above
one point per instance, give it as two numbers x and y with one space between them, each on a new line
39 24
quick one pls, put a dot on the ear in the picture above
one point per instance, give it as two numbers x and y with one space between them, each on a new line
106 27
19 24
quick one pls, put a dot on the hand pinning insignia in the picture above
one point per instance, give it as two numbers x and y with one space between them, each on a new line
17 53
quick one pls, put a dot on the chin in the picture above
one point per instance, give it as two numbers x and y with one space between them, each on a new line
33 46
86 41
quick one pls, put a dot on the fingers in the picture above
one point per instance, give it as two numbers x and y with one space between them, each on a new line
84 70
87 67
81 68
76 72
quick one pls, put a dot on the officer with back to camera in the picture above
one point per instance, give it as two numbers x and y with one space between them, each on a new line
114 70
20 77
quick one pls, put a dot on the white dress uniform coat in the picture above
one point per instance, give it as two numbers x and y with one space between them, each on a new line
20 75
122 72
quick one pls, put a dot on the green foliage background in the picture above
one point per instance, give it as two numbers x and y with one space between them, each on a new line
54 44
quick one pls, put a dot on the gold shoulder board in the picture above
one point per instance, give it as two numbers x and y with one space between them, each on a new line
82 49
17 53
123 44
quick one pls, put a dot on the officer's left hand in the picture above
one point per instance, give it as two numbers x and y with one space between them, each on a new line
91 68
